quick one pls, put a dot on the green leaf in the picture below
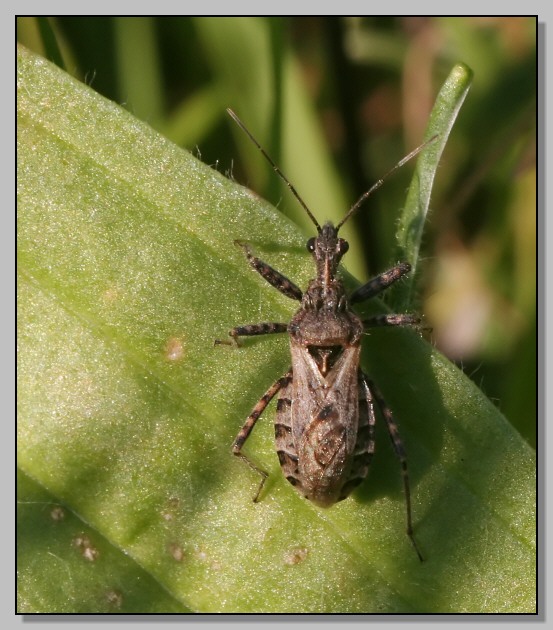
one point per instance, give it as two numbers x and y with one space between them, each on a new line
126 274
413 217
66 565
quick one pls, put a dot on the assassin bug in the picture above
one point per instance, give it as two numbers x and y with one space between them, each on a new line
324 427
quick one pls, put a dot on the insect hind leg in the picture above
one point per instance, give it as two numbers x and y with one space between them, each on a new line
401 455
245 431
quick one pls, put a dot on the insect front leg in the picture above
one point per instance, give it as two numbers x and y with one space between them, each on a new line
273 277
401 455
379 283
376 286
250 423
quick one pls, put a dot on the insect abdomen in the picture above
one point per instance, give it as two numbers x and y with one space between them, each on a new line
286 451
319 466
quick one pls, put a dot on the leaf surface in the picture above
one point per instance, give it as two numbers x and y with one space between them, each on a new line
126 411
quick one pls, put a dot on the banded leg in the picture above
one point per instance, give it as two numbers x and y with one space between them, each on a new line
379 283
273 277
401 455
245 431
251 330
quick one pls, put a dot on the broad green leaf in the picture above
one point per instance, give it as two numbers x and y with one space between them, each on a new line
127 273
66 565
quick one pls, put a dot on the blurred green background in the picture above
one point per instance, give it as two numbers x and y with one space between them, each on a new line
337 102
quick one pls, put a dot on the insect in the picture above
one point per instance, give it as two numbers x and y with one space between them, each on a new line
324 427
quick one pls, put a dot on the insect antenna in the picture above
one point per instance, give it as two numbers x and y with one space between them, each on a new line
379 183
275 167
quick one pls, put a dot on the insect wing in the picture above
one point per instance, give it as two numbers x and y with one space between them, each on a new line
324 419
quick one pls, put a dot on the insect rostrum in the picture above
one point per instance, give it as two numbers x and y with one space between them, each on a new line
324 427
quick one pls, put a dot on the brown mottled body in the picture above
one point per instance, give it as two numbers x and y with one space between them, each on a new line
324 428
323 416
322 454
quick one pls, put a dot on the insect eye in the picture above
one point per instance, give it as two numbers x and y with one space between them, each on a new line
343 246
311 244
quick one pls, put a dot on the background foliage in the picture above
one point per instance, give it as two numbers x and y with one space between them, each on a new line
349 97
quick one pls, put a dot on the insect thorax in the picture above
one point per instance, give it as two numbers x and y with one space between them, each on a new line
325 319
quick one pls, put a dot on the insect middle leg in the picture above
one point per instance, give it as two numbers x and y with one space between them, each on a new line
252 330
250 423
401 455
380 283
